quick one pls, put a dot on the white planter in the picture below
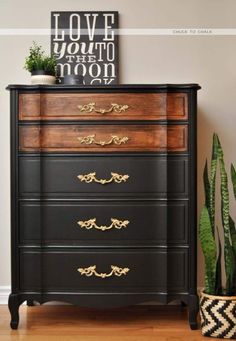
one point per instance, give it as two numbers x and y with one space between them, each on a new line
43 79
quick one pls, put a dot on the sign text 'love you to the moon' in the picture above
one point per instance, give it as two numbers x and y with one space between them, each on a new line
86 43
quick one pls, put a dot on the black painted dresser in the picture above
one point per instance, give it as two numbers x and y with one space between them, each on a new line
103 195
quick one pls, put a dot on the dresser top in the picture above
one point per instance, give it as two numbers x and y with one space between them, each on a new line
125 87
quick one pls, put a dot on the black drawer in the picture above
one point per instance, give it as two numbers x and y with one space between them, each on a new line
120 270
104 223
81 176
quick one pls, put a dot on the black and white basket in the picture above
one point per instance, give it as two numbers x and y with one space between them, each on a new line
218 316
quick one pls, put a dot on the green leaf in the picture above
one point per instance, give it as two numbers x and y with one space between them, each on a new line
232 233
233 178
228 250
214 158
209 251
206 186
233 239
218 287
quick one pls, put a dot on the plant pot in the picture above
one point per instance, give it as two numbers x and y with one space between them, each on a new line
42 77
218 316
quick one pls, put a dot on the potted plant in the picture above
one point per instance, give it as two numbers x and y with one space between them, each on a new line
218 300
41 66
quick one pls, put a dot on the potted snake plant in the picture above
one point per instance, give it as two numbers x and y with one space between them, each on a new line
41 66
218 300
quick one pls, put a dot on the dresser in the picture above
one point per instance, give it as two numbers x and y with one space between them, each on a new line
103 195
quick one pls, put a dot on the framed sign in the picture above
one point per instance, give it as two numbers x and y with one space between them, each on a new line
86 43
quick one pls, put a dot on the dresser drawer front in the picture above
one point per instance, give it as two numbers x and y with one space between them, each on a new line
112 106
123 176
106 223
139 270
95 138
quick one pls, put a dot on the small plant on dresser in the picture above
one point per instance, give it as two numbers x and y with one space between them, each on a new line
41 66
218 301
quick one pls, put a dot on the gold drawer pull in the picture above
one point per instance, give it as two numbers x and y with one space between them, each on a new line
90 107
118 178
91 270
90 139
91 223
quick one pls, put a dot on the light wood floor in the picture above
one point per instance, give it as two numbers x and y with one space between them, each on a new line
67 323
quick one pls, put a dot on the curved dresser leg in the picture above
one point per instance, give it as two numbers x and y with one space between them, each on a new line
13 305
183 305
193 311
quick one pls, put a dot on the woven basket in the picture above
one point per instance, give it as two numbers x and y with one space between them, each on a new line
218 316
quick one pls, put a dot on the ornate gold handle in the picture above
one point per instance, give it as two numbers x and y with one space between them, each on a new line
118 178
91 270
90 139
90 107
91 223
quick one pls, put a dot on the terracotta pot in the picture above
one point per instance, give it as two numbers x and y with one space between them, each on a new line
218 316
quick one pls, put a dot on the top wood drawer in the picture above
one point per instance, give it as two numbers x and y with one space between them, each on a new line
103 106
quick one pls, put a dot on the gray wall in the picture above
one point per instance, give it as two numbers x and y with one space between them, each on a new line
207 60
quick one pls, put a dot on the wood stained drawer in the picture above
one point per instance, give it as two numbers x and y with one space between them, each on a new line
117 106
123 176
96 138
141 270
104 223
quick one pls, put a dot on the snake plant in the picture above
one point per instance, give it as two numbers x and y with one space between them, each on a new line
209 233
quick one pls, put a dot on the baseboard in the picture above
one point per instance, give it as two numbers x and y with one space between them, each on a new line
4 293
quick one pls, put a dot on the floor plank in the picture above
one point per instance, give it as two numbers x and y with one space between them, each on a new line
69 323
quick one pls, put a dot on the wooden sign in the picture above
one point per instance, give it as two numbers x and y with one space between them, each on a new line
86 43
